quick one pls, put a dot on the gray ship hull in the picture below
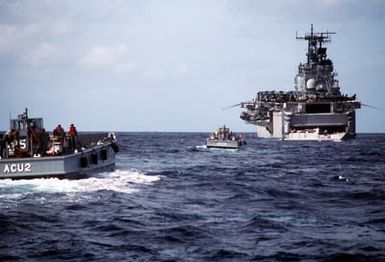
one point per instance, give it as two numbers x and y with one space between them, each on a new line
96 158
224 144
288 125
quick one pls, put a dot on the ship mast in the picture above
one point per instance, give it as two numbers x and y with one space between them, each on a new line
315 52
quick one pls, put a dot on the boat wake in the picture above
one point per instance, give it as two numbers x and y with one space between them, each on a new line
121 181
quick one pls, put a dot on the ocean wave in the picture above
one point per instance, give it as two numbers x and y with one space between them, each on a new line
170 201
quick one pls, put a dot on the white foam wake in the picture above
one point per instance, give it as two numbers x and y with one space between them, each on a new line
122 181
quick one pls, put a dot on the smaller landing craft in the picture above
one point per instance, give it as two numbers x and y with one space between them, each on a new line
225 139
28 151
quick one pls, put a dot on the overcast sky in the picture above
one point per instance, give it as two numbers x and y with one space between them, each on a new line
173 65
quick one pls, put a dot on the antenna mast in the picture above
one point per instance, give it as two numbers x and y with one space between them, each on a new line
315 51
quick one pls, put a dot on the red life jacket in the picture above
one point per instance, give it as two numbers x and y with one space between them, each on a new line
72 131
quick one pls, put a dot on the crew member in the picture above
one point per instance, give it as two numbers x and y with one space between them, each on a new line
44 141
34 142
59 133
73 137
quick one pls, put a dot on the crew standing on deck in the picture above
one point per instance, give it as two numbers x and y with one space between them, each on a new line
59 133
59 140
44 141
33 139
73 137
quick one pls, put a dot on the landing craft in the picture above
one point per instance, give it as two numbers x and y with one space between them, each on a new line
28 151
225 138
316 110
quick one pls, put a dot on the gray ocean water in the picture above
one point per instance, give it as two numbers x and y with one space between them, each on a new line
171 199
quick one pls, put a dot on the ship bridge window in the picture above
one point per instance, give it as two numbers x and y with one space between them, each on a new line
321 50
23 124
36 122
18 125
317 108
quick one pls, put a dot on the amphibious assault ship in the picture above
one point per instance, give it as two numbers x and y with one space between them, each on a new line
316 110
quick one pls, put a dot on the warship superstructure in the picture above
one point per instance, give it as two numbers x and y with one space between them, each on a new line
316 110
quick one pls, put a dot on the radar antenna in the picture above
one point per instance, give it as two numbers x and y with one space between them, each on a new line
315 52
